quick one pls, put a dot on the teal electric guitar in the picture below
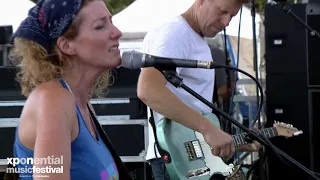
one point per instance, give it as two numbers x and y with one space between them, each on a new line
188 156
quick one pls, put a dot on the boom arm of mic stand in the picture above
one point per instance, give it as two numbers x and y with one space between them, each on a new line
177 81
288 10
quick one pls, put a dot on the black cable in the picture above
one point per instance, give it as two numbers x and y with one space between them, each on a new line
227 125
234 74
237 65
250 76
176 81
251 170
260 103
255 64
272 147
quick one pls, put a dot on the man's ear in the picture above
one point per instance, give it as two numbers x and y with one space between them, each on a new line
65 46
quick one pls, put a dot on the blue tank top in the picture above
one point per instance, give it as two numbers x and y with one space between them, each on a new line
90 158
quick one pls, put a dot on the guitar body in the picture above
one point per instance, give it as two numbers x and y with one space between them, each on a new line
188 156
191 156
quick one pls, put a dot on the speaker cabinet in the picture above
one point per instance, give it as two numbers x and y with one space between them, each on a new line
289 77
313 19
5 34
314 99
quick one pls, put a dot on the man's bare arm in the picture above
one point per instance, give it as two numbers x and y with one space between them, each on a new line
153 92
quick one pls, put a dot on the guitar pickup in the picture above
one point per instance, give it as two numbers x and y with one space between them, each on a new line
194 150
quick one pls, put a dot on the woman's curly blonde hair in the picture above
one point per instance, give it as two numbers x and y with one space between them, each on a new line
36 66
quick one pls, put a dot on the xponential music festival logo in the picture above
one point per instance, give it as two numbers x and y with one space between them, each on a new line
45 165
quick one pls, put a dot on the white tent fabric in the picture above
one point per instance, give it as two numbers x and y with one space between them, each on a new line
142 15
13 12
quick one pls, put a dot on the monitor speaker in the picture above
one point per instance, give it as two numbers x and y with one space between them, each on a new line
5 34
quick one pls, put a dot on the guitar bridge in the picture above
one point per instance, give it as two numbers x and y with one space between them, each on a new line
194 150
198 172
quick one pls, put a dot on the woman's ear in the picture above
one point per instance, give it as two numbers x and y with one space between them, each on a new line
65 46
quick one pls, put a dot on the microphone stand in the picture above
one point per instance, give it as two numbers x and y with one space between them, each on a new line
225 104
288 10
175 80
255 65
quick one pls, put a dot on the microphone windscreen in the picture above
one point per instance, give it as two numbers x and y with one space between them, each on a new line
131 59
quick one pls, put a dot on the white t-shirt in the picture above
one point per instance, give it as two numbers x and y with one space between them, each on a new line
176 39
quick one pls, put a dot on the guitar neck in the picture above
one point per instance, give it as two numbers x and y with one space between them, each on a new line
240 139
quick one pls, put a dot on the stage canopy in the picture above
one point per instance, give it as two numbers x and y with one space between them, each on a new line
135 20
12 12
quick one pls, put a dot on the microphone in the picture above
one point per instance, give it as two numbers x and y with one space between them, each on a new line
135 60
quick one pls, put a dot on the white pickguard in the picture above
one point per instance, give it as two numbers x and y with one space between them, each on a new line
215 163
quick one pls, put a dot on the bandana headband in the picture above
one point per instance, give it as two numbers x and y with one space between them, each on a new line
48 20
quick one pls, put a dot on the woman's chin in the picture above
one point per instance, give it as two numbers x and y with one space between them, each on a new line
113 63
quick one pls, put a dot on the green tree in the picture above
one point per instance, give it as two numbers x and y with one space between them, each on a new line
260 4
114 6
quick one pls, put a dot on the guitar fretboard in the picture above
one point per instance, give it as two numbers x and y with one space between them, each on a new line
239 139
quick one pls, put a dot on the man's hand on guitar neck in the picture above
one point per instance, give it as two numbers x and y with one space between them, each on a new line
252 147
220 142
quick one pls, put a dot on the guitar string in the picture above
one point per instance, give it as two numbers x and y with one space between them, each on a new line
240 137
237 138
203 143
237 141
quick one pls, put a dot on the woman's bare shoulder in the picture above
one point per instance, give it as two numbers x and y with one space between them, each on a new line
49 107
51 96
51 91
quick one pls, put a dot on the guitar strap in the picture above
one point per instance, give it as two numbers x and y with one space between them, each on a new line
215 101
152 122
123 173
